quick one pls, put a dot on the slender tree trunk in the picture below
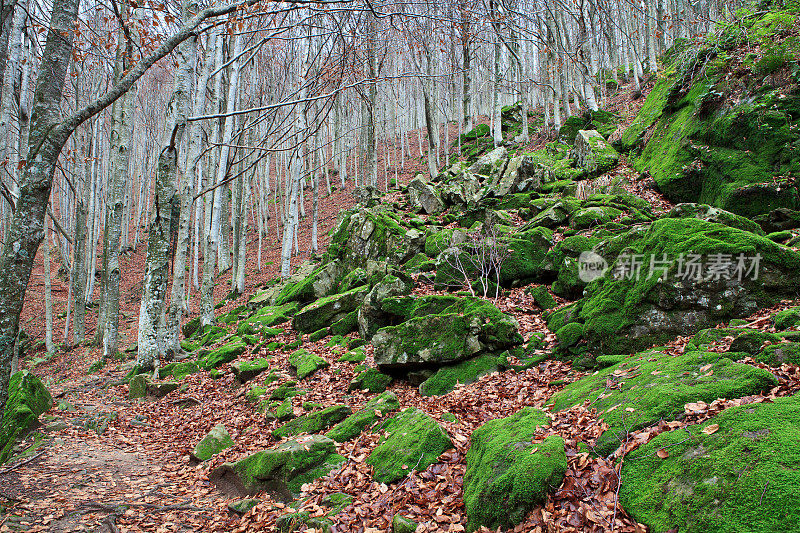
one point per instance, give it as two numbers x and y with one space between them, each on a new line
48 298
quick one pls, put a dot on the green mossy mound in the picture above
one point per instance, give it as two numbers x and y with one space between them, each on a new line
787 318
27 399
313 422
778 354
178 370
355 424
222 355
741 477
217 440
306 363
142 386
633 312
447 377
370 379
412 441
265 318
507 475
325 311
246 370
604 122
652 386
281 471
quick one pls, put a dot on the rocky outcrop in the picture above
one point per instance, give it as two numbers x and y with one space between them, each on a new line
423 195
325 311
27 399
593 154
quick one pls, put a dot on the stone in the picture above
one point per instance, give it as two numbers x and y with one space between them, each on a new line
281 470
356 423
507 474
422 194
244 371
242 506
412 441
217 440
371 316
314 422
446 378
224 354
593 153
370 379
491 165
306 363
401 524
28 398
325 311
519 176
714 214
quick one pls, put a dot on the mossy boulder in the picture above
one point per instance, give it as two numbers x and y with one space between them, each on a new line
491 165
401 524
325 311
653 386
353 425
778 354
322 282
211 334
714 214
371 315
447 377
412 441
787 318
507 475
370 379
266 317
747 340
27 399
281 470
306 363
542 297
178 370
224 354
593 154
246 370
465 328
735 472
604 122
313 422
423 195
142 386
356 355
735 273
217 440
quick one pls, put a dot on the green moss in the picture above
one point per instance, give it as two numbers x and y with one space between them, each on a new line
447 377
346 325
324 311
356 355
741 477
212 334
652 386
778 354
787 318
178 370
286 390
217 440
401 524
313 422
247 370
27 399
353 425
412 441
265 318
306 363
507 475
224 354
370 379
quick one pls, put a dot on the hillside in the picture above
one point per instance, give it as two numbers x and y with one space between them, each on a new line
595 331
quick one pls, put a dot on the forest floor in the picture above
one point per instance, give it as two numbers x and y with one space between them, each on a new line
108 463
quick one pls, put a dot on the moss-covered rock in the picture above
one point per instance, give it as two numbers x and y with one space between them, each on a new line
423 195
651 386
542 297
178 370
714 214
787 318
241 507
370 379
412 441
353 425
735 273
306 363
735 472
282 470
464 328
356 355
313 422
401 524
246 370
265 318
593 153
325 311
224 354
371 315
447 377
27 399
217 440
604 122
507 474
778 354
286 390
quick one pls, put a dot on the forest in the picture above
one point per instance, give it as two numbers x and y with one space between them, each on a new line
351 265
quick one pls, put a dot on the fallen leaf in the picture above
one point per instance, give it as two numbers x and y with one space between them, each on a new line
662 453
711 429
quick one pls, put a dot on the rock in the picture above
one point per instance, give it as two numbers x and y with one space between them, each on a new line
630 313
371 316
370 379
733 472
281 470
491 165
787 318
412 441
191 327
401 524
372 234
519 176
266 317
306 363
242 506
319 284
447 377
542 297
268 296
462 190
592 217
313 422
778 354
714 214
217 440
178 370
224 354
328 310
507 474
422 194
353 425
27 399
593 153
462 329
367 196
246 370
652 386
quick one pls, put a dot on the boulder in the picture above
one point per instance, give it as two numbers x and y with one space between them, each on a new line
461 190
217 440
320 283
246 370
142 386
281 470
268 296
373 234
313 422
370 379
224 354
491 165
27 399
422 194
325 311
734 472
520 175
714 214
651 386
448 377
593 154
306 363
412 441
371 316
507 473
353 425
434 337
705 273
